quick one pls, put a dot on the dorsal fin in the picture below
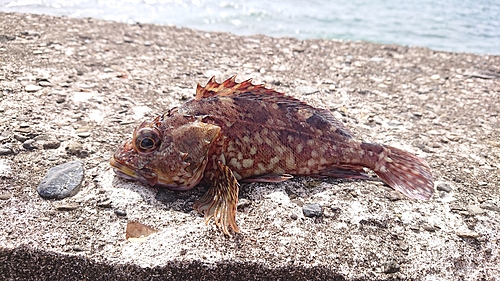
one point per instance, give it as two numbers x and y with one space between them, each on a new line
230 88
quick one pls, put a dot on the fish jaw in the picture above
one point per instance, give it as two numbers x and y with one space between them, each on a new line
128 173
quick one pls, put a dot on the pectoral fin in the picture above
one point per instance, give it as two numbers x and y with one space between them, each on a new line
220 201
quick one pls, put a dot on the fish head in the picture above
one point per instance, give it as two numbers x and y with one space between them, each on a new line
162 154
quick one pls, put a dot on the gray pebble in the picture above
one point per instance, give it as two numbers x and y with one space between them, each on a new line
5 151
105 204
120 213
77 248
24 125
62 181
443 187
29 144
312 210
21 138
294 216
32 88
490 206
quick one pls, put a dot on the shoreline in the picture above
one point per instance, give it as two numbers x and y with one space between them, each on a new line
84 84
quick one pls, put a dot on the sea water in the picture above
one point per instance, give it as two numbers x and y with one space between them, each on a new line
450 25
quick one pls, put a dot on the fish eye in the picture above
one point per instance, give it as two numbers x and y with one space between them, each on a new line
147 140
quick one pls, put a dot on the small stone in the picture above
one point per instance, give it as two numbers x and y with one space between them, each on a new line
37 52
243 203
306 90
294 217
61 99
67 207
75 148
435 77
83 134
105 204
482 183
312 210
127 39
475 210
62 181
468 234
44 83
29 144
32 88
107 70
442 186
147 43
21 138
5 151
429 228
77 248
24 125
51 144
490 206
5 195
391 267
120 213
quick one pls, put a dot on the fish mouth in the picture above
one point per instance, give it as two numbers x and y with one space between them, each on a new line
124 171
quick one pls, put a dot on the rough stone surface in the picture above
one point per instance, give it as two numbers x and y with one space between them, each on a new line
442 106
312 210
62 181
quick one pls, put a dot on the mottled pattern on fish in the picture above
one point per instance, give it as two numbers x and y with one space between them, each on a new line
244 132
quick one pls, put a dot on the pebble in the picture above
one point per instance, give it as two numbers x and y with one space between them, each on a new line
5 151
62 181
83 134
32 88
5 195
443 187
468 234
490 206
312 210
306 90
120 213
74 148
77 248
24 125
391 267
67 207
105 204
243 203
44 83
29 144
294 217
51 144
20 137
475 210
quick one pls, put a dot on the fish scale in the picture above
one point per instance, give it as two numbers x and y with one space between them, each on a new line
244 132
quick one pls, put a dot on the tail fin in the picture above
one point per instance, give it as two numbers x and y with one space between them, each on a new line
405 173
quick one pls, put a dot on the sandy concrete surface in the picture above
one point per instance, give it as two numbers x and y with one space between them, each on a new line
74 89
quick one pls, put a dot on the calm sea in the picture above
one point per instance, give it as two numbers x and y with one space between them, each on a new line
451 25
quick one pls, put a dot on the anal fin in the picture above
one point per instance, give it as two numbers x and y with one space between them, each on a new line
219 202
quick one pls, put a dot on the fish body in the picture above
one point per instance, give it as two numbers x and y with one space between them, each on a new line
243 132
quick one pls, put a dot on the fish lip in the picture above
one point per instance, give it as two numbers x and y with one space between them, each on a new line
123 171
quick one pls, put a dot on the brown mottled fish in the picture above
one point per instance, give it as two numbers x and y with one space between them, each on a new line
243 132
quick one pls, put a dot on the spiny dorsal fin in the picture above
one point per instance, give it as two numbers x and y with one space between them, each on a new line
230 88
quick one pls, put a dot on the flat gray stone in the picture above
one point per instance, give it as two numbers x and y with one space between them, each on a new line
62 181
312 210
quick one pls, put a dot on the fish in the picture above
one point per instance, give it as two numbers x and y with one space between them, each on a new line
234 132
